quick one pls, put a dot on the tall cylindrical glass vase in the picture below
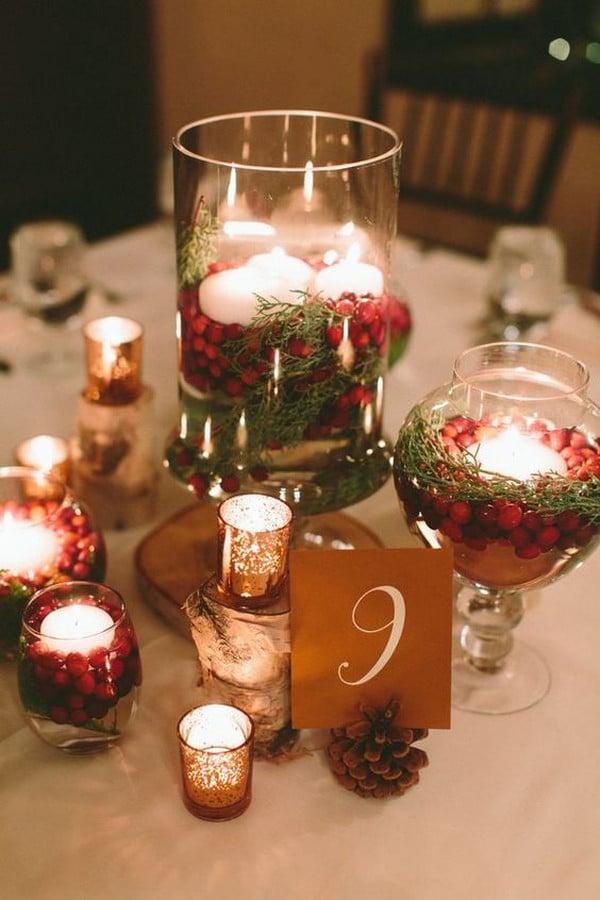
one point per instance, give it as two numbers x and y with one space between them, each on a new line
284 225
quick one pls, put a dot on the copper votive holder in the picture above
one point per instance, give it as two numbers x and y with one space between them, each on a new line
46 453
253 535
113 348
216 752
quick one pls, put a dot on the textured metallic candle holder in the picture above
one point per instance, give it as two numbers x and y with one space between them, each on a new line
215 745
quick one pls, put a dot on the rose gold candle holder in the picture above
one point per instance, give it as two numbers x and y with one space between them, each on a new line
215 745
114 464
46 453
252 548
113 347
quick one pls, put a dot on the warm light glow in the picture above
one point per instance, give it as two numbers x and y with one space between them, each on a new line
113 330
592 52
330 257
43 452
215 744
253 539
349 275
113 348
559 48
248 229
516 455
353 253
232 188
347 230
77 628
308 187
26 548
255 513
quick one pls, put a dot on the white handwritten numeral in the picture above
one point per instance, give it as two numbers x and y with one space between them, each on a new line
396 626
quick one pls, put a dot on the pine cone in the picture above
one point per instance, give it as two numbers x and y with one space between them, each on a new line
374 757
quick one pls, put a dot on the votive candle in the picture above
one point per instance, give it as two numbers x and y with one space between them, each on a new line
216 751
114 358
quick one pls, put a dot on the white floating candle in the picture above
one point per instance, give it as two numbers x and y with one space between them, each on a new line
517 456
349 276
232 295
77 628
294 274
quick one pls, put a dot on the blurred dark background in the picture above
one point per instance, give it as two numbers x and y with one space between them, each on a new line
92 91
78 115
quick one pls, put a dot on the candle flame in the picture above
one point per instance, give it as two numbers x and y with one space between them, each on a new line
346 230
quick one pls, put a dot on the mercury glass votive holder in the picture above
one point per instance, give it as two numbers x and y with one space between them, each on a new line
252 547
113 347
215 744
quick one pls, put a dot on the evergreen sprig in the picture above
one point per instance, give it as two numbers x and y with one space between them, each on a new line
196 247
421 457
280 410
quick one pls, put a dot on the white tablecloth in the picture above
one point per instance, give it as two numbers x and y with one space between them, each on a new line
509 806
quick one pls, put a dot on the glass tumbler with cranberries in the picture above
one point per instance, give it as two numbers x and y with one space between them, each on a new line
79 666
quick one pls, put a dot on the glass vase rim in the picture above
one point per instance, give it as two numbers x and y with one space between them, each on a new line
64 585
227 706
390 153
24 473
580 366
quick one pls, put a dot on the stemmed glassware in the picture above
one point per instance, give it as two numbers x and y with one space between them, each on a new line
284 224
50 284
503 465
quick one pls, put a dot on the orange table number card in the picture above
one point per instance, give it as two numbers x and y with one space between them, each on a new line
369 625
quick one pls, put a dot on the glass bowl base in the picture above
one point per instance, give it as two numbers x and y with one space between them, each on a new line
522 682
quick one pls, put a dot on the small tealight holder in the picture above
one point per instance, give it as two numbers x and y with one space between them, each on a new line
215 744
240 618
114 464
46 453
252 548
46 536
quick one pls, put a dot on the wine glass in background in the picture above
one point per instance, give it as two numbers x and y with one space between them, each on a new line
49 283
526 282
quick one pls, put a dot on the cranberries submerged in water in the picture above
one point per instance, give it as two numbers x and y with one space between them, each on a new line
478 524
75 688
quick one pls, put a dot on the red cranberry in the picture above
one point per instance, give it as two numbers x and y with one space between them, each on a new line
98 658
548 536
106 692
230 484
486 514
519 537
76 664
529 551
96 709
460 512
568 521
78 716
86 683
509 516
451 529
58 714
